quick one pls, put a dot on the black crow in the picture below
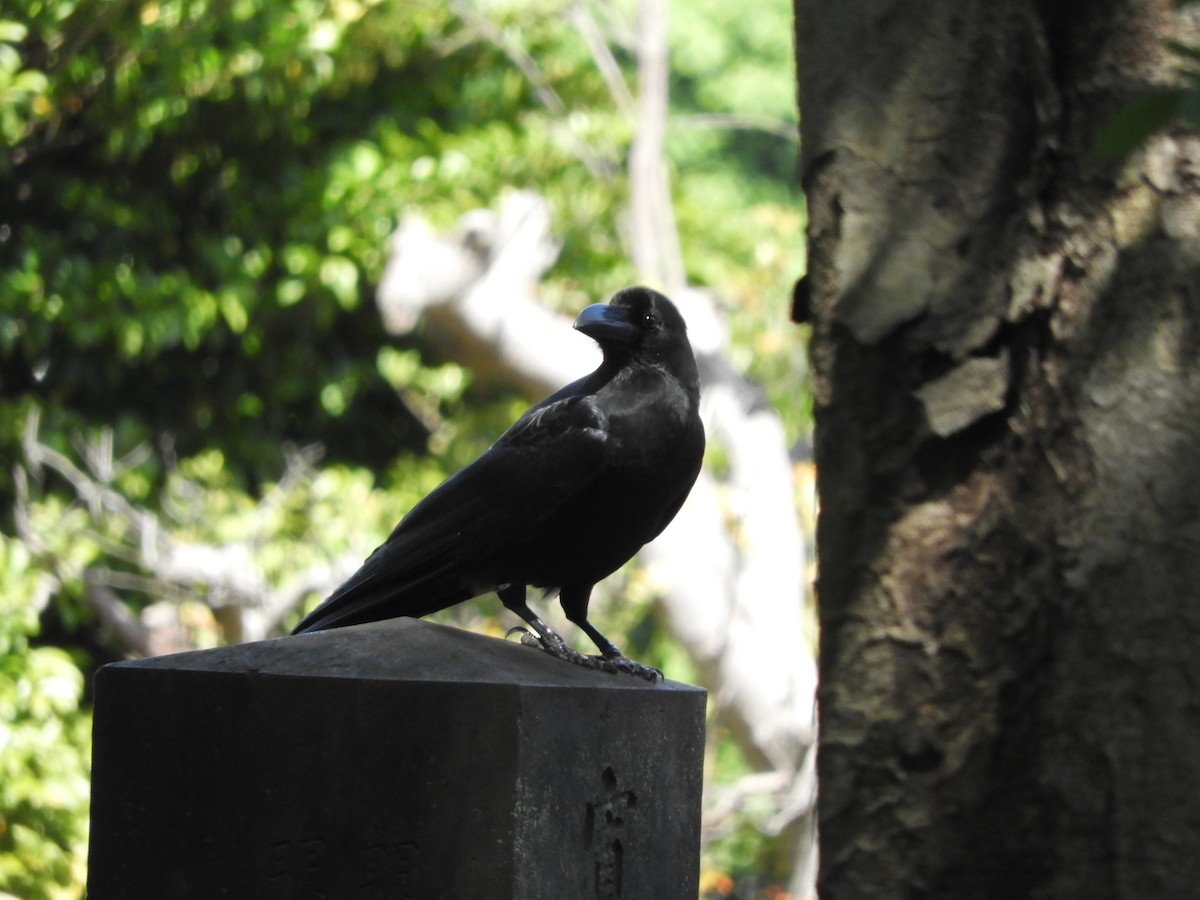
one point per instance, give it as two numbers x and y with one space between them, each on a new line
563 499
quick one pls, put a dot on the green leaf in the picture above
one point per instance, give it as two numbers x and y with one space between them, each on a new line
1131 125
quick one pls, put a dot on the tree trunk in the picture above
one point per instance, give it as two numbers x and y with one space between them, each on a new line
1005 361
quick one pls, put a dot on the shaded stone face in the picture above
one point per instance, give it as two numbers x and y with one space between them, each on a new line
399 759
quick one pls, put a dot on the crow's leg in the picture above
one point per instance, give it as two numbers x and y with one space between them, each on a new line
574 600
513 597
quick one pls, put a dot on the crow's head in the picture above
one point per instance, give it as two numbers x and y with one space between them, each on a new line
641 324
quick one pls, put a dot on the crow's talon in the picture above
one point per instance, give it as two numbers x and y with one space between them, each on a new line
529 639
632 667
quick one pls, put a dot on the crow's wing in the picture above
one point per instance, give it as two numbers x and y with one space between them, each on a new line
439 553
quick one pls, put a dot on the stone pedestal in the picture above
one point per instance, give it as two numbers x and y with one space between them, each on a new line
394 760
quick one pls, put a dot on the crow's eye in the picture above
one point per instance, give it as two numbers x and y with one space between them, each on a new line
650 319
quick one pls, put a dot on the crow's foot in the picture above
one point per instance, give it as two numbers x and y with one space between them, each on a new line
556 646
553 644
624 664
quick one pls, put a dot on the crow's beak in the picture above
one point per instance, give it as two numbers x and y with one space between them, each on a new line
602 322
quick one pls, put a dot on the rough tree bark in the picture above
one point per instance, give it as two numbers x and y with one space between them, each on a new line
1005 337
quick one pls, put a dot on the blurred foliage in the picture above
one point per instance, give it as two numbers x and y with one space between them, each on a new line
45 744
195 202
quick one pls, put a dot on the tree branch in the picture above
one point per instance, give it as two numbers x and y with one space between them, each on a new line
227 577
654 241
